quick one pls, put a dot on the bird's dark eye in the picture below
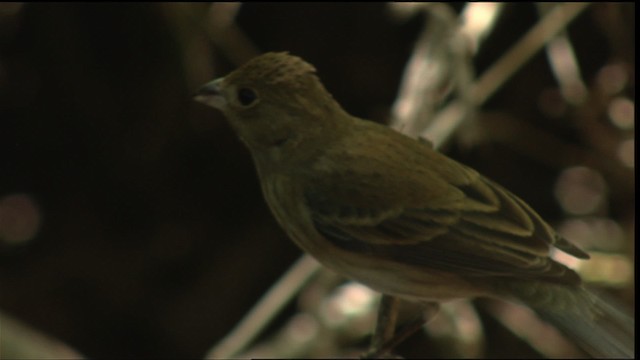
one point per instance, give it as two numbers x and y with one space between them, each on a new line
246 96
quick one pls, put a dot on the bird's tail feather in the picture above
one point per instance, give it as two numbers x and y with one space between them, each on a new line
603 331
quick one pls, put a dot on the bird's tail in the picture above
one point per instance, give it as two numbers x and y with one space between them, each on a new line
596 325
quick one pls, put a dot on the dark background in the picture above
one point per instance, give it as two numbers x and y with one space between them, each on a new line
153 237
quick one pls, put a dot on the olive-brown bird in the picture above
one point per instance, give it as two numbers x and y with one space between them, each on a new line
393 213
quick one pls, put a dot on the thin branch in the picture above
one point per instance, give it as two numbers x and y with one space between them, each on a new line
450 118
266 309
546 29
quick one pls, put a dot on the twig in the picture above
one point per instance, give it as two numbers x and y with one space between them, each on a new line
266 309
450 118
549 26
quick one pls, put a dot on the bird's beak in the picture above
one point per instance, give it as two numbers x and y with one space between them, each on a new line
210 94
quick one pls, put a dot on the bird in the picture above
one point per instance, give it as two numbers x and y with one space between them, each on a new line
396 215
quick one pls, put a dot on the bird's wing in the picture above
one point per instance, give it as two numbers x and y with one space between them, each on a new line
419 207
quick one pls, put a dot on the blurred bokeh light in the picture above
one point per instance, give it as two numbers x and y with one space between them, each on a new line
581 191
19 219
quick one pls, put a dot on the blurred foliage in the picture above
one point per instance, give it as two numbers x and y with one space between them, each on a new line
131 221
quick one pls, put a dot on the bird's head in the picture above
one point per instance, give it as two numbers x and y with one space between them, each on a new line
274 101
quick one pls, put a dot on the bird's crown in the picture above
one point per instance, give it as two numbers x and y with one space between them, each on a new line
275 68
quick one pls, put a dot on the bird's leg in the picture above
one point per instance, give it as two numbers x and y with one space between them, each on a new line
385 326
385 338
387 319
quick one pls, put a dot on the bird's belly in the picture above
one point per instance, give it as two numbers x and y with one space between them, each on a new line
392 278
406 281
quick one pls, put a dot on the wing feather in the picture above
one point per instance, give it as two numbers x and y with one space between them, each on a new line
453 220
438 214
